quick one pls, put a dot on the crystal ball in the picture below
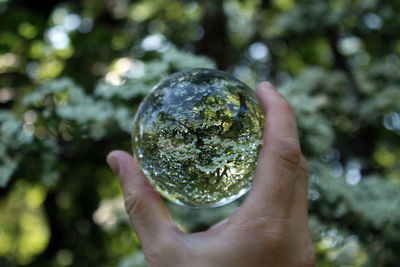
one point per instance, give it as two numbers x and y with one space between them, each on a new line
196 136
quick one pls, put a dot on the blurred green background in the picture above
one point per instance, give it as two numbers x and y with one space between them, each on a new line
72 74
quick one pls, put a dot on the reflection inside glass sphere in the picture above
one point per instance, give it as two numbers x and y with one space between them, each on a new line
197 135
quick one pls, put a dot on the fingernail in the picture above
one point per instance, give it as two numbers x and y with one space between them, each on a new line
267 85
113 163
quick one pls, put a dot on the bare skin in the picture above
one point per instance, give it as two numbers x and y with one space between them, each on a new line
270 228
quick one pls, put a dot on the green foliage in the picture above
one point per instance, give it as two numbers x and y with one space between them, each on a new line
73 74
12 134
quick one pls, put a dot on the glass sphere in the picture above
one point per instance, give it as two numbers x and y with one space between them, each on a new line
197 136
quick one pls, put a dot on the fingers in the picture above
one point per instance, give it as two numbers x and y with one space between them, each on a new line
145 208
279 160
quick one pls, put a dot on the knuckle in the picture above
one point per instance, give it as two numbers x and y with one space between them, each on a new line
132 203
275 241
288 151
277 227
304 168
271 228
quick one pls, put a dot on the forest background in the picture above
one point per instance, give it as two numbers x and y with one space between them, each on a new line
72 74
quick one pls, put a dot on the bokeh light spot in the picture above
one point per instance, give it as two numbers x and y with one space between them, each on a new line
153 42
71 22
57 37
64 257
27 30
373 21
349 45
392 121
258 51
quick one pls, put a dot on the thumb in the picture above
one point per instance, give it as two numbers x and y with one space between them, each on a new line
146 210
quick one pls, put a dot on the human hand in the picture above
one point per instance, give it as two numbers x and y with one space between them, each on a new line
270 228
